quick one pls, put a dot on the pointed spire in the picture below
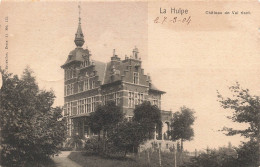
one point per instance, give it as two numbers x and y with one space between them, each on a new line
79 37
114 52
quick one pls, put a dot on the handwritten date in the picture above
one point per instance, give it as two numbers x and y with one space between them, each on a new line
165 19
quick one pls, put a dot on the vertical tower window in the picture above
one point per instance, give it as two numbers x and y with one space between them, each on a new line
93 84
81 84
86 84
136 78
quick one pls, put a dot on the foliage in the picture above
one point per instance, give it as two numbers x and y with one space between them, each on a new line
124 136
128 136
248 154
149 117
245 155
105 117
75 142
246 110
181 124
92 146
223 157
31 129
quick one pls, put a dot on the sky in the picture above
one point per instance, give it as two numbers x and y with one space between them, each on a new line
189 62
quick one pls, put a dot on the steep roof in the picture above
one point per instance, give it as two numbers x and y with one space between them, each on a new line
77 54
100 67
153 88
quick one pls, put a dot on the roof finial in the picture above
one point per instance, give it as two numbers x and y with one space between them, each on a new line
79 12
114 52
79 37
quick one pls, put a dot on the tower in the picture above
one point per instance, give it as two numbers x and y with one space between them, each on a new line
89 83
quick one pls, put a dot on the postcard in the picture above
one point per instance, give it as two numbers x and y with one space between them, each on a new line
130 83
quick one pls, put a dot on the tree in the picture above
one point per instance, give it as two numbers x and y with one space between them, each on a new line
181 125
246 109
247 154
31 129
149 116
105 119
128 136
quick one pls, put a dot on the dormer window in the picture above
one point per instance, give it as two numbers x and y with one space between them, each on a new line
136 78
85 63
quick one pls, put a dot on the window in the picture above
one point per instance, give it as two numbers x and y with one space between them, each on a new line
140 98
65 90
73 73
68 108
103 100
136 78
85 63
131 99
93 104
155 102
71 88
105 97
81 86
88 105
80 106
85 105
86 84
68 89
70 72
93 84
136 98
65 75
117 98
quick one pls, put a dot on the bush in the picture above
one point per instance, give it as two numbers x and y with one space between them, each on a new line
92 146
74 143
223 157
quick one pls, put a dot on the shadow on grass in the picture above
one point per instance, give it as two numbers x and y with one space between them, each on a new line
91 160
46 162
110 157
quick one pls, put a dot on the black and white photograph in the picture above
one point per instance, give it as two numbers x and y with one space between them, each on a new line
129 83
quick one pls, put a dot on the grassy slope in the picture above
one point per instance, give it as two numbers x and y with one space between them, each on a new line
135 161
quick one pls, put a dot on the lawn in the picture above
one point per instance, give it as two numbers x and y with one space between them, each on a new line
131 161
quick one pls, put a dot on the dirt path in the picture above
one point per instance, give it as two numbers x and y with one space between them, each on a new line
62 160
